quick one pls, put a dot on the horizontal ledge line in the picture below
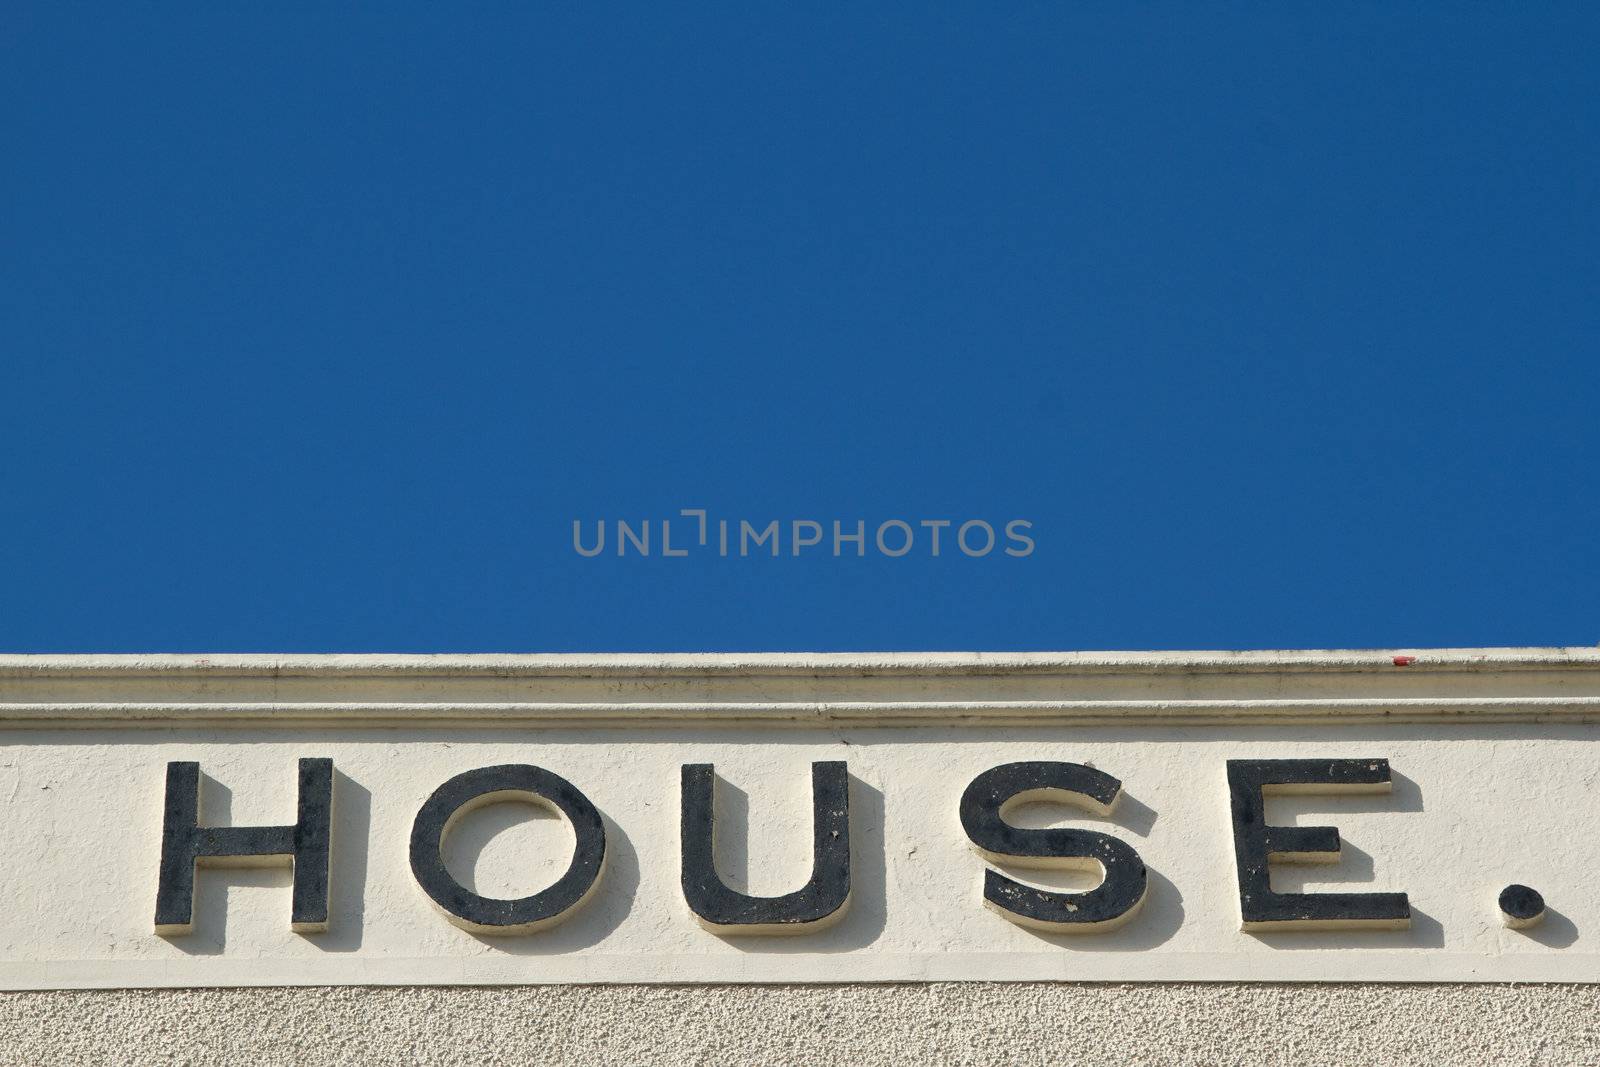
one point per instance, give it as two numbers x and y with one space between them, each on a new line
887 713
1377 967
790 664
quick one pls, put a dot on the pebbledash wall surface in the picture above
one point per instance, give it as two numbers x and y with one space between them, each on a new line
1257 857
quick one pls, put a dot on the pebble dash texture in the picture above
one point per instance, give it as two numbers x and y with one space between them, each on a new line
943 1023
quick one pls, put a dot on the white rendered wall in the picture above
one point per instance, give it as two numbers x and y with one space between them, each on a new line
1177 1025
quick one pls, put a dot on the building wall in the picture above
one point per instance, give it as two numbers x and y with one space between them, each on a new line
938 1023
90 735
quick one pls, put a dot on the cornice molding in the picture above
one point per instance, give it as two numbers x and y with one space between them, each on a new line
805 689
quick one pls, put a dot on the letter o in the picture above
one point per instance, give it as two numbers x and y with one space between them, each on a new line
474 789
905 526
961 537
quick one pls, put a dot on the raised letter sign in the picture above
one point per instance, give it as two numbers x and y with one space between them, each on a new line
820 902
1124 882
471 790
305 846
1256 845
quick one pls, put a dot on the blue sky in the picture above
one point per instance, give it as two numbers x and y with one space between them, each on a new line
320 327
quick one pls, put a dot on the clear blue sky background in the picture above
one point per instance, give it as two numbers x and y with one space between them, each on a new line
320 327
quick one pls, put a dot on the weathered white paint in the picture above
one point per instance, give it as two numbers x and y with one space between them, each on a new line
1481 799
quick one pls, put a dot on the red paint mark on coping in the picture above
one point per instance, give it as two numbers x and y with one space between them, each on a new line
1404 661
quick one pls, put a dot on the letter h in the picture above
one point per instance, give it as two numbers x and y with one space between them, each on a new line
305 846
